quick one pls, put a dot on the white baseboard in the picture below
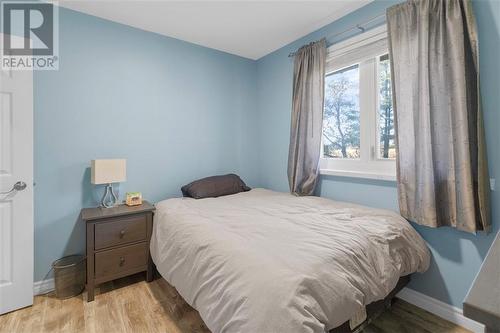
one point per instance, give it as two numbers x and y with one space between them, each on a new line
43 287
441 309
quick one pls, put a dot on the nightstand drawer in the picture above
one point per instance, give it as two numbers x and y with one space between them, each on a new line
122 259
120 230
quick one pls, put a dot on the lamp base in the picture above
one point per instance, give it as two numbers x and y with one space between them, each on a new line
111 201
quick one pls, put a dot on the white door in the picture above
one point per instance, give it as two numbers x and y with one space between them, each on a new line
16 187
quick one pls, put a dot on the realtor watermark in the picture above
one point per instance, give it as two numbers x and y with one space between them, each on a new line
30 38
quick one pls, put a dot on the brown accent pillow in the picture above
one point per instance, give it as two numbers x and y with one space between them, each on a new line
215 186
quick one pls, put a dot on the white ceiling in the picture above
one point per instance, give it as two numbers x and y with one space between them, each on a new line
249 29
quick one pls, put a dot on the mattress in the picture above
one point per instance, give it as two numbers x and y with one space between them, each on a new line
264 261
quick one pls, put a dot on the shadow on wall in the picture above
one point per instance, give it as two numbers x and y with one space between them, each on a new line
450 249
91 196
76 240
75 244
447 241
439 286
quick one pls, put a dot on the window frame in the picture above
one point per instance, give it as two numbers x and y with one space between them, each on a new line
365 50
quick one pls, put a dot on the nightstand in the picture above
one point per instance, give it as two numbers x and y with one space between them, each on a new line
117 243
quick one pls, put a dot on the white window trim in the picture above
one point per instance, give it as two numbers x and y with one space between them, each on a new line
346 54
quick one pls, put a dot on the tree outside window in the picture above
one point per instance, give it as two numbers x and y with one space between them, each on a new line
386 114
341 131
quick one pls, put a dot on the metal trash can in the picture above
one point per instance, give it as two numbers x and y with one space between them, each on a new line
69 276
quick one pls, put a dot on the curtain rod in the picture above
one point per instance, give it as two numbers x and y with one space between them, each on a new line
358 26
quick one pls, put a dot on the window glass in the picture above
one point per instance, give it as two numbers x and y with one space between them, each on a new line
387 147
341 136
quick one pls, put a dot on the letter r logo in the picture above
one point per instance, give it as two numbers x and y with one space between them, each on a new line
34 22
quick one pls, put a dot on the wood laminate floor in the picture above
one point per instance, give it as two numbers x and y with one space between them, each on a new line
133 305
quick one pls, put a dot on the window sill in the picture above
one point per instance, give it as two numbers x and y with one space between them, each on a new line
358 174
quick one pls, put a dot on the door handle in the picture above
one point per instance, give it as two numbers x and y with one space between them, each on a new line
19 186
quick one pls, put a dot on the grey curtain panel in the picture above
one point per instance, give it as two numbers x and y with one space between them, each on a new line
441 161
307 118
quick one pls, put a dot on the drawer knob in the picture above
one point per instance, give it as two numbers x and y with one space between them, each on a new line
122 261
122 233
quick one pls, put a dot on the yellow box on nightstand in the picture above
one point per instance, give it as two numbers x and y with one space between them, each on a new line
133 198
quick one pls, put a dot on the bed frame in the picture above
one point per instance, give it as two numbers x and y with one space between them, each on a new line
373 310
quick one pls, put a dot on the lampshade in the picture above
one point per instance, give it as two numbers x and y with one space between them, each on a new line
108 171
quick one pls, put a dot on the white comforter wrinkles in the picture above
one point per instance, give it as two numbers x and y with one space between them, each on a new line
263 261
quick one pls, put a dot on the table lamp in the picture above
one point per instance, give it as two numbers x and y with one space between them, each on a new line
108 172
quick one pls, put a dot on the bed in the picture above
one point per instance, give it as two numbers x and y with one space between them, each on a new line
264 261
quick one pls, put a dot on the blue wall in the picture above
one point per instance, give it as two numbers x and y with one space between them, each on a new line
177 111
174 110
457 256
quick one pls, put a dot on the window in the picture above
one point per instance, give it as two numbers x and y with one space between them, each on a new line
358 121
341 114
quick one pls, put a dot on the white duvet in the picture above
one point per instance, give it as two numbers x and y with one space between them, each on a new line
264 261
